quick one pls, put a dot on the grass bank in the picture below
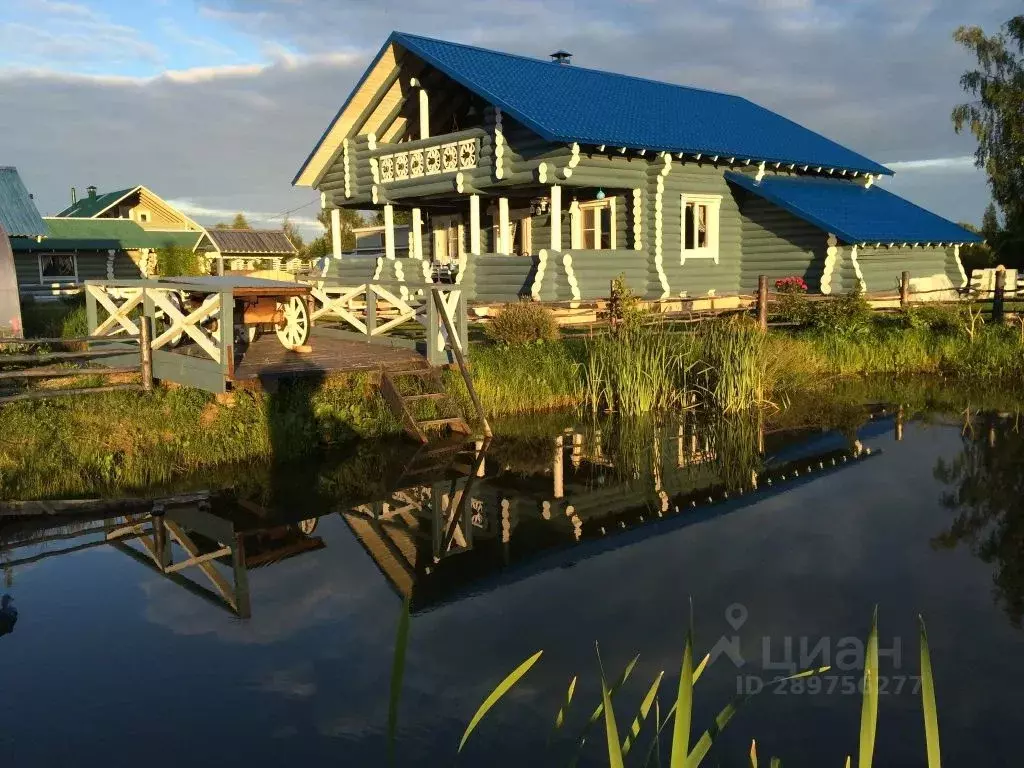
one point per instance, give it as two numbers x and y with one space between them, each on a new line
66 446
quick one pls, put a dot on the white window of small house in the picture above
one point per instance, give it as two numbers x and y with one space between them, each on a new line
700 226
519 233
58 268
597 225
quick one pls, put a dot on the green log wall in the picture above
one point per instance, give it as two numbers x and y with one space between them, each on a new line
778 244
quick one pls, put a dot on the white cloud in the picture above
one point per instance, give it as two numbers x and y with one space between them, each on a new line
944 164
267 219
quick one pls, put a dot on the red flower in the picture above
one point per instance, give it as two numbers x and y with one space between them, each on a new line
794 284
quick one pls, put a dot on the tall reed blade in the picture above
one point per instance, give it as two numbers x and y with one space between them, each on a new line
397 674
641 716
596 714
931 714
684 707
611 730
753 753
869 704
564 709
502 688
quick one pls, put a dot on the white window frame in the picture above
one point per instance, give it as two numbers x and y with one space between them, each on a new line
595 205
520 226
442 226
43 280
714 206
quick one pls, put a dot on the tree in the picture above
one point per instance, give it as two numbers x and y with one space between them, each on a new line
401 216
996 115
239 222
321 246
293 234
990 223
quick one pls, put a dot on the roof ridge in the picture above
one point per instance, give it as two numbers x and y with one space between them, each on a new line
622 75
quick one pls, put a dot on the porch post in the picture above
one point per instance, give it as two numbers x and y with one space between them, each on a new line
504 235
416 235
575 225
336 232
474 224
389 231
556 218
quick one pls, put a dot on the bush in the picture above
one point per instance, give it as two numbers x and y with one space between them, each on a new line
846 315
177 261
523 323
624 308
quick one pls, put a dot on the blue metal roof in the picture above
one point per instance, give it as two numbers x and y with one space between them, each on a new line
853 213
18 214
566 103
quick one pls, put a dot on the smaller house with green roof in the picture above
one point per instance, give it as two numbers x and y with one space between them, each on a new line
113 235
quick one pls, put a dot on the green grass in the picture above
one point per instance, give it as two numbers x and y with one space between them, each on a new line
68 447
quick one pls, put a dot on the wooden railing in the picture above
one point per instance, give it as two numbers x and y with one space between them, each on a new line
48 364
192 341
374 311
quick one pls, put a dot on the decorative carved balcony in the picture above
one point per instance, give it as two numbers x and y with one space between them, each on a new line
431 160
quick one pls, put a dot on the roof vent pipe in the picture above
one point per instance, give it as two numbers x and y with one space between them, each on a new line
91 190
74 195
561 57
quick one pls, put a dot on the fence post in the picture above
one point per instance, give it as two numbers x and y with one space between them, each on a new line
371 312
904 290
146 352
998 294
762 302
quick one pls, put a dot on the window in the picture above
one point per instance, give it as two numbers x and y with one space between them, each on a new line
144 217
699 226
520 233
597 225
58 268
447 238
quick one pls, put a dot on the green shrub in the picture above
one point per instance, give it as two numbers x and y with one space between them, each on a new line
793 307
845 316
178 261
523 323
624 308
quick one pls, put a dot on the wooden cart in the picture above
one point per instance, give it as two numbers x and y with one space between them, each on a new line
260 305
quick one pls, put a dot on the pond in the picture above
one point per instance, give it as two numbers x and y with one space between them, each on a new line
259 627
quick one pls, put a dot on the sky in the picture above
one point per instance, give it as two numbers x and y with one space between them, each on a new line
214 104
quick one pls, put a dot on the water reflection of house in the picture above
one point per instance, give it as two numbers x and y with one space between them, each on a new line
575 504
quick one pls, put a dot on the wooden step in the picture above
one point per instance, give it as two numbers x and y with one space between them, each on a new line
425 396
450 420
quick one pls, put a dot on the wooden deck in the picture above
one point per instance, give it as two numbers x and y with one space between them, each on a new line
266 359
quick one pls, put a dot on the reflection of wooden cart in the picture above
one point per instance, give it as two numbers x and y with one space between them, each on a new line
259 305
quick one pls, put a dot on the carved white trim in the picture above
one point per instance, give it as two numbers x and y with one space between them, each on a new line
450 157
499 145
659 199
760 171
538 277
346 163
856 268
831 254
960 266
570 276
542 173
638 196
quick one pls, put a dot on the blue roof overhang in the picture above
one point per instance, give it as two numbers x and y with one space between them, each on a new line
853 212
570 104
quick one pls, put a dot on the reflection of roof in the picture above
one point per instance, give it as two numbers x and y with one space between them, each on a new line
91 205
853 212
18 214
104 234
232 241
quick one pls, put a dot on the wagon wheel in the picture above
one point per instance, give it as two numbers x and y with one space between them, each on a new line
308 526
163 322
294 330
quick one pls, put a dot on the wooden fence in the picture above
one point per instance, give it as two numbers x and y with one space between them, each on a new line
52 365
